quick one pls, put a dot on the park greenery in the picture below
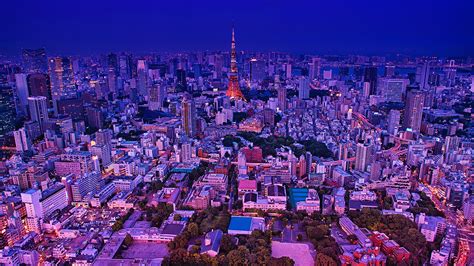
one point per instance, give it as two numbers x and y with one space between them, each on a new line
271 143
158 214
425 205
398 228
119 223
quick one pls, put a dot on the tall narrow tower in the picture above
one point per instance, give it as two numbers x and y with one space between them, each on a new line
233 90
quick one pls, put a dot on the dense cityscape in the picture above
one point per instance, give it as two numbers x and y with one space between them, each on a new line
236 158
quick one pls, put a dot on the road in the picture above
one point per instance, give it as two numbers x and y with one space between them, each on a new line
465 233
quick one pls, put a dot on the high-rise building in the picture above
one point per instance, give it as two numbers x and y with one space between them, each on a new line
257 70
38 106
35 60
113 63
423 74
242 163
393 122
7 109
314 68
363 155
186 152
125 66
303 88
62 78
181 84
142 77
95 118
104 137
156 97
281 94
392 89
21 92
413 110
309 161
40 85
73 107
188 116
389 71
233 91
22 141
370 75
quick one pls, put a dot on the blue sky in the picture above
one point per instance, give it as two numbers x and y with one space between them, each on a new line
417 27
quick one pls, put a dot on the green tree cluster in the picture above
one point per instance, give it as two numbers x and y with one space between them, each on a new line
119 223
398 228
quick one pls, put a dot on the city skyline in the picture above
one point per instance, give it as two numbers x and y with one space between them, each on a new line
227 154
371 28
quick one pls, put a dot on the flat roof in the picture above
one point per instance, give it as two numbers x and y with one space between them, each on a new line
240 223
297 195
172 229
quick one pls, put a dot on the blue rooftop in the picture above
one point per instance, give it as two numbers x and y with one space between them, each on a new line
297 195
240 223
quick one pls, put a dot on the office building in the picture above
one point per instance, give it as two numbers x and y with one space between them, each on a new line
281 93
393 90
38 106
35 60
413 110
62 78
370 75
40 85
188 116
303 88
393 122
363 156
21 92
22 141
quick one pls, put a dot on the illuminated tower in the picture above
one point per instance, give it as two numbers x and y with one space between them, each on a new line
234 91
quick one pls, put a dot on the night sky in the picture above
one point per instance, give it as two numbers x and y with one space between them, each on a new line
415 27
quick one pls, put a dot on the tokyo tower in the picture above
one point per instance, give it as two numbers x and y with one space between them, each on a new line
233 91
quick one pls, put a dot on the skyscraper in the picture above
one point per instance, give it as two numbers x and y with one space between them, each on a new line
142 77
40 85
62 78
363 154
233 90
7 109
181 84
22 142
392 89
257 70
35 60
393 121
38 110
309 161
21 92
423 74
413 110
370 75
156 97
314 68
281 94
303 88
188 116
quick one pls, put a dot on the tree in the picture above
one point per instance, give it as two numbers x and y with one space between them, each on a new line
239 256
128 240
193 229
177 217
226 244
299 237
283 261
324 260
117 225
